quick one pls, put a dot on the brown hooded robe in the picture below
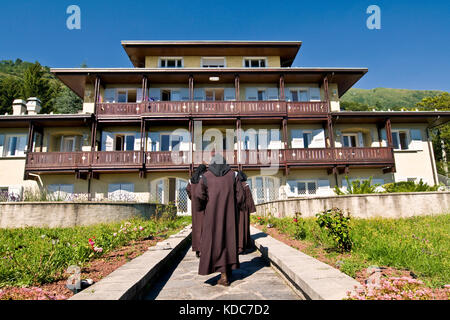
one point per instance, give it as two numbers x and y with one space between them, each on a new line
247 207
220 193
197 216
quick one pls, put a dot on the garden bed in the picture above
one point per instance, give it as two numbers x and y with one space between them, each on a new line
45 279
412 255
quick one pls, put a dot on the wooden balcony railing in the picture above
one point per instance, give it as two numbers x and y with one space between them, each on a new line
172 159
213 108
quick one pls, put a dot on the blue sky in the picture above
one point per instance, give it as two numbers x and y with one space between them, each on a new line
411 50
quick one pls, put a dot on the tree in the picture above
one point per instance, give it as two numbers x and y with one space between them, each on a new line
10 89
442 133
35 85
67 102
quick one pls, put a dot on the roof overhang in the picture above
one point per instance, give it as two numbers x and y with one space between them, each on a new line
138 50
77 78
432 118
64 120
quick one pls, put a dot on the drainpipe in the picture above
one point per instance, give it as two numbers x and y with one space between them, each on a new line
39 178
433 163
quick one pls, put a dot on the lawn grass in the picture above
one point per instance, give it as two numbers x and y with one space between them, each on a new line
34 256
418 244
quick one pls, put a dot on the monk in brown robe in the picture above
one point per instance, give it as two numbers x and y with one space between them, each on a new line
196 210
221 194
247 207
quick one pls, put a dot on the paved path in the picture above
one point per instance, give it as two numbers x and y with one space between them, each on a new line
255 280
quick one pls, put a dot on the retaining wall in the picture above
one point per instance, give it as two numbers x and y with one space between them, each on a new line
70 214
392 205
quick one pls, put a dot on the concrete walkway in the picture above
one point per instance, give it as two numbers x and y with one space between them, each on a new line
255 280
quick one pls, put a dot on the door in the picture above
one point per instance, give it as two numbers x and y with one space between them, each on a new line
182 199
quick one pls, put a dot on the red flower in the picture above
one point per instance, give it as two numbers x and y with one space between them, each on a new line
295 220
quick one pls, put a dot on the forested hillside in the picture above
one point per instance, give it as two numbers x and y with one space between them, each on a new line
384 99
21 79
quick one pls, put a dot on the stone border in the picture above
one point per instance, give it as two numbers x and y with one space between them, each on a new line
128 281
314 279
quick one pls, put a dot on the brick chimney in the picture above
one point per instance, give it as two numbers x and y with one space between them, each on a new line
19 107
33 105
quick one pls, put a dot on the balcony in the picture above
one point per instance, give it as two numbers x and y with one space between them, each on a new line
126 160
214 108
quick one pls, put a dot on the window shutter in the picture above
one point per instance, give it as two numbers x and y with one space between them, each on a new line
297 138
107 141
314 94
378 181
274 139
292 185
272 93
110 95
175 95
139 96
230 94
113 187
15 191
127 187
137 141
416 139
153 141
360 139
318 140
199 94
184 94
154 94
21 145
324 187
251 94
2 143
383 138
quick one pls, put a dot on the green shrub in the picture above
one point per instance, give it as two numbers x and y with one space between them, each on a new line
357 187
338 227
300 229
409 186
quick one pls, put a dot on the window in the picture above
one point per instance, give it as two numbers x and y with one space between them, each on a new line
307 139
68 144
265 189
213 62
61 192
121 191
255 62
13 145
171 63
124 142
214 94
302 187
261 95
170 142
165 95
400 140
299 95
350 140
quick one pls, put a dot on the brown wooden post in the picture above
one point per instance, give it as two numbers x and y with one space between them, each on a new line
93 132
285 143
30 141
282 94
238 129
237 87
389 133
96 93
191 87
327 96
330 131
144 88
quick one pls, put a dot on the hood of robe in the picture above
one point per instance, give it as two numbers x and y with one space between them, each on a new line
218 166
197 174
